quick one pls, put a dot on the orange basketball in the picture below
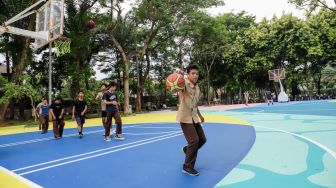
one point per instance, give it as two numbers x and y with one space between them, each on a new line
175 82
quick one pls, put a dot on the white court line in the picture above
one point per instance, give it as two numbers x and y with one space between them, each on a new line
20 178
140 134
325 148
92 156
176 128
65 136
42 139
95 151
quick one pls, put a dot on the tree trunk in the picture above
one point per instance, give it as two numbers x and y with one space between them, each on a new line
126 86
126 72
208 87
75 81
180 55
139 88
8 62
319 84
3 110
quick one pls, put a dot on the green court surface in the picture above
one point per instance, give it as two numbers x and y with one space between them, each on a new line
293 147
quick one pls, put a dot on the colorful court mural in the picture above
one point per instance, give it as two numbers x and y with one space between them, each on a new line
284 145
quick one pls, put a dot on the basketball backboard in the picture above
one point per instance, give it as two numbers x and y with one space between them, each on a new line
49 22
277 74
50 19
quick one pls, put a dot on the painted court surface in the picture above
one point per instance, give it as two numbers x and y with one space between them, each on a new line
284 145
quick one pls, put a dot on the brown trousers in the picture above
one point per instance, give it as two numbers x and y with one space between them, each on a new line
58 127
117 119
194 134
44 121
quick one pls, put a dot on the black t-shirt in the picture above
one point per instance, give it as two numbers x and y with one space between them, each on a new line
57 109
79 106
269 96
110 97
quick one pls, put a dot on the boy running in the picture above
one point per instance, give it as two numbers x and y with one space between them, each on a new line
57 111
190 119
78 112
110 99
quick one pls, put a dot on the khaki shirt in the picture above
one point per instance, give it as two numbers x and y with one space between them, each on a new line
189 97
102 104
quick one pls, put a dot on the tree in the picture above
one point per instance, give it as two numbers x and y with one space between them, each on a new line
18 48
312 5
19 92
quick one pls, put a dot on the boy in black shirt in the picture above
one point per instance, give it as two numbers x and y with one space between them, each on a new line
57 111
110 99
78 112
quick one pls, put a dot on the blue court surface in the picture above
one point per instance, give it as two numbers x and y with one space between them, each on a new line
323 108
150 156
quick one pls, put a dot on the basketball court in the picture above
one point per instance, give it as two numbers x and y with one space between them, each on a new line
289 144
258 146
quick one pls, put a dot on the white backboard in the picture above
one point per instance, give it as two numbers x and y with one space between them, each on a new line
50 19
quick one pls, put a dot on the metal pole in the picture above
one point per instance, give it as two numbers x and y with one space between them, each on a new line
138 75
50 71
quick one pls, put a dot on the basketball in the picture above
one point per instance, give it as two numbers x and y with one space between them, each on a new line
175 82
89 24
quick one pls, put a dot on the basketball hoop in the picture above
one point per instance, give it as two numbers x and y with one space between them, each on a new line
277 75
277 78
62 45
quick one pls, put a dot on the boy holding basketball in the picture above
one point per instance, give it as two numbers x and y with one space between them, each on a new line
190 119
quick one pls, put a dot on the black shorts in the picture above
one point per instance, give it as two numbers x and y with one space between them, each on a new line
103 114
80 119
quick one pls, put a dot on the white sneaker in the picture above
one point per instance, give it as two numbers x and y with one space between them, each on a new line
113 132
119 137
107 139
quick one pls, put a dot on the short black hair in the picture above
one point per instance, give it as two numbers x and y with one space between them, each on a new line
80 92
192 67
113 83
103 84
58 98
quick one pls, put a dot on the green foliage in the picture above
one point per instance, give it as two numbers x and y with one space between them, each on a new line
14 91
3 81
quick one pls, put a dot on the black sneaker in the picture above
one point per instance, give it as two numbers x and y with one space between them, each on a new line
184 149
190 171
80 135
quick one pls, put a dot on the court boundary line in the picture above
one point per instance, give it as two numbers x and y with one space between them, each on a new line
95 151
69 135
325 148
101 154
20 178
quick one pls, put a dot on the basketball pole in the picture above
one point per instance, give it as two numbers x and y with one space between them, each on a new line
50 71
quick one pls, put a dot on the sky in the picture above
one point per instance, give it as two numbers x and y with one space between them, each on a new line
258 8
